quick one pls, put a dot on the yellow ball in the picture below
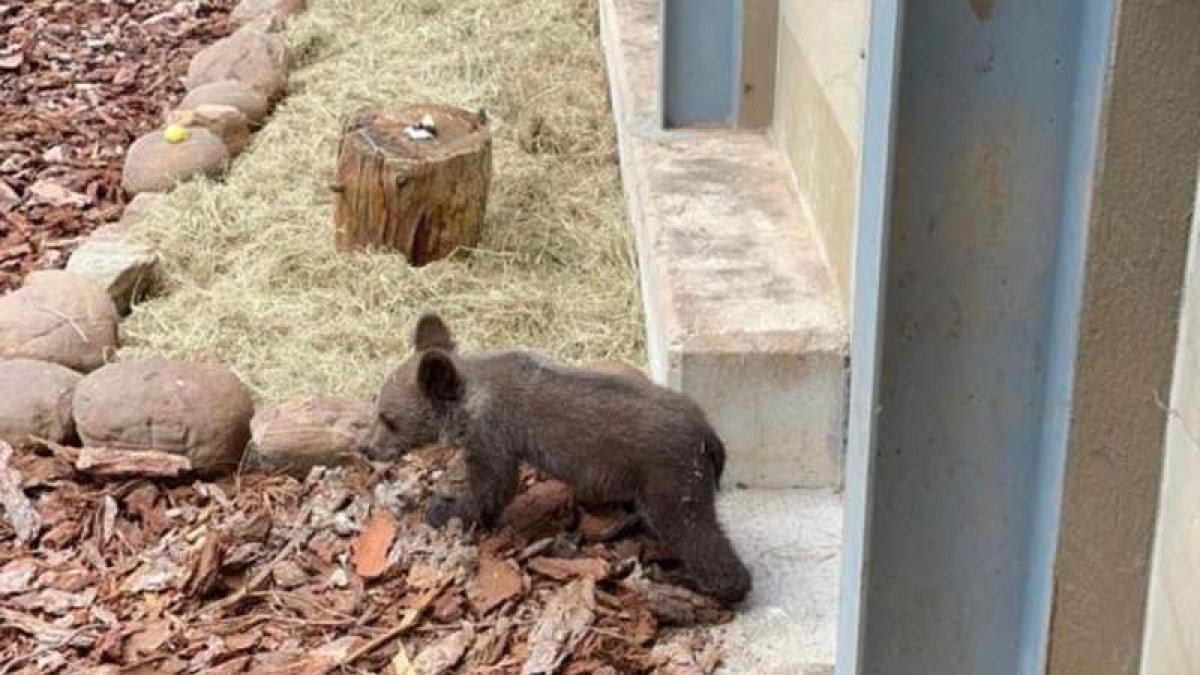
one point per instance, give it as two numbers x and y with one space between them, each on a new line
175 134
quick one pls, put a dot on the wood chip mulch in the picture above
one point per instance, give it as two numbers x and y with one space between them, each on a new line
104 574
79 81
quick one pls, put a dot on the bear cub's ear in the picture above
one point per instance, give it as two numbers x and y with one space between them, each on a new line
432 333
439 377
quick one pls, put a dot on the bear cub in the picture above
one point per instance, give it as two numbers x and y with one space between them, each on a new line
612 438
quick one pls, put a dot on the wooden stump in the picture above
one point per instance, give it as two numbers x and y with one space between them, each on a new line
423 198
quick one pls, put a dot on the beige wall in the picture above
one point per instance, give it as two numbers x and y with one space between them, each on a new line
1173 618
818 110
760 19
1142 202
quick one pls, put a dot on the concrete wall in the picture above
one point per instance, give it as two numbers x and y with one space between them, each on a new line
760 19
1173 617
1137 245
818 110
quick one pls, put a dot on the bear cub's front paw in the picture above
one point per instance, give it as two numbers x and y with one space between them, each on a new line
441 510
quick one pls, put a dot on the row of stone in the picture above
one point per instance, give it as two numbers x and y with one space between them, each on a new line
201 411
56 334
59 329
62 317
69 317
231 85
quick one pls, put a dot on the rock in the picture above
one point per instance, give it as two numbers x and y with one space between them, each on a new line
37 401
273 11
139 208
199 410
154 165
60 317
231 93
126 269
267 23
618 367
298 434
224 121
256 59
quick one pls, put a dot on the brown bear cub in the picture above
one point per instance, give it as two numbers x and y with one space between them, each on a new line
612 438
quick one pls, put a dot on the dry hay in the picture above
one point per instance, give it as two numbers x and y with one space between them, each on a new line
255 280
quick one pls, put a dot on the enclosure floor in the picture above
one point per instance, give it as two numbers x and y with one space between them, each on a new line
792 541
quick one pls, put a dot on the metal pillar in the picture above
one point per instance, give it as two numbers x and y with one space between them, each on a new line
994 345
701 49
718 62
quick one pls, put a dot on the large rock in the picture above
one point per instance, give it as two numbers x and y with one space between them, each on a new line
153 164
232 93
126 269
139 208
270 14
224 121
60 317
298 434
36 401
199 410
259 60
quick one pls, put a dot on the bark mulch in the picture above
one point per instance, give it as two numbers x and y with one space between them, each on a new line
79 81
108 571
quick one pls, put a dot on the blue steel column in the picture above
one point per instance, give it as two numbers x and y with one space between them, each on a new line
700 62
968 292
870 264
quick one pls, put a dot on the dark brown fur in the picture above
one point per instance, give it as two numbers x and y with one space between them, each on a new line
612 438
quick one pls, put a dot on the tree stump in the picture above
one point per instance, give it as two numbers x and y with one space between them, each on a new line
423 197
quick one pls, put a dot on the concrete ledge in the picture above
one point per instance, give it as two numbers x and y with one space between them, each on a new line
741 309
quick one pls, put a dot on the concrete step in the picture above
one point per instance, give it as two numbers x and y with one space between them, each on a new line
792 541
741 309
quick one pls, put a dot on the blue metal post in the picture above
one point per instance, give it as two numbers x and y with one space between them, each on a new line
979 156
701 52
874 207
